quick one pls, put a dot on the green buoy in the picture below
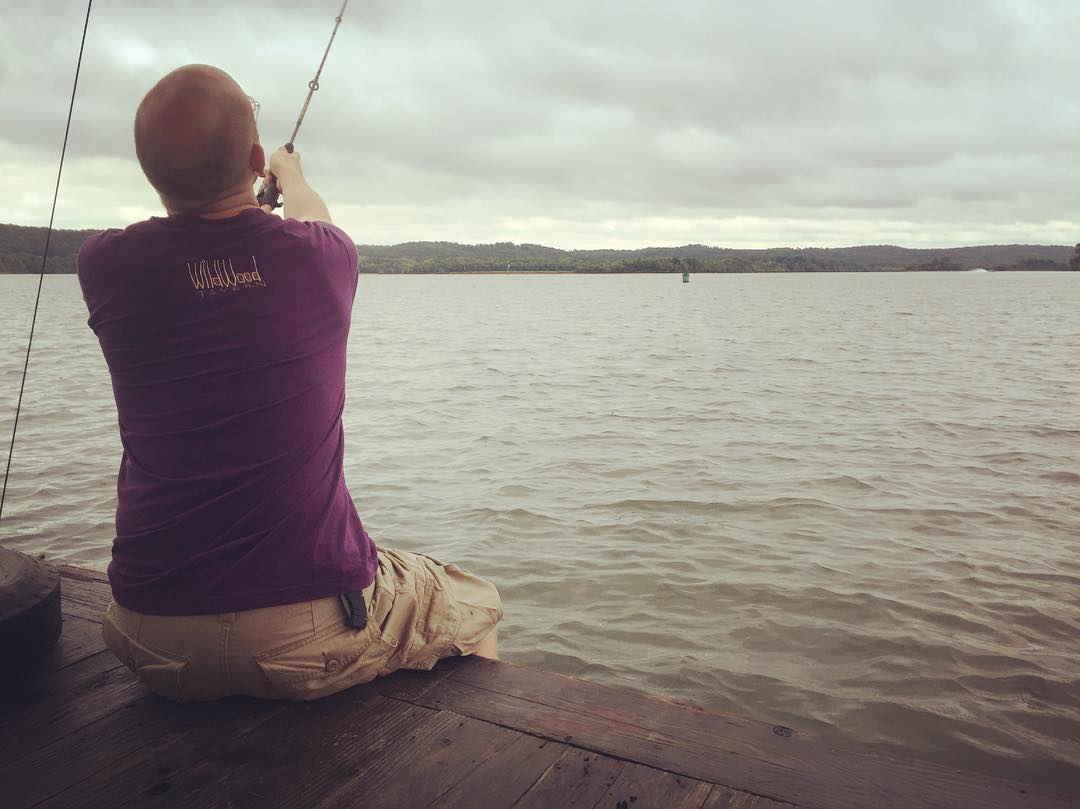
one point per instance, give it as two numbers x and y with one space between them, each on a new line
686 278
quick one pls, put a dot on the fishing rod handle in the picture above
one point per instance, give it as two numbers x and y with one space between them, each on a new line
270 194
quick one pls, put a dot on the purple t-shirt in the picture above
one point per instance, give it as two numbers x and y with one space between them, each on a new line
225 340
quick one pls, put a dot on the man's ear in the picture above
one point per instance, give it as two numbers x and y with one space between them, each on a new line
257 161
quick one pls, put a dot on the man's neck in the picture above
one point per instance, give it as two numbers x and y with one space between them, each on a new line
221 208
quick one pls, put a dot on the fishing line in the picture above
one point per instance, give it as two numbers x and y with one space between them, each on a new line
44 258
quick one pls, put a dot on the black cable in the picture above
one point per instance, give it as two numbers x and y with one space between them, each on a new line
45 257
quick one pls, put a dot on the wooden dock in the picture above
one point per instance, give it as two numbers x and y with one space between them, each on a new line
472 733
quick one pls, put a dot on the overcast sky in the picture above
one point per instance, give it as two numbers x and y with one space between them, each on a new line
587 123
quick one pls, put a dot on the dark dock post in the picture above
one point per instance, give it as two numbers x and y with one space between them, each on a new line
29 611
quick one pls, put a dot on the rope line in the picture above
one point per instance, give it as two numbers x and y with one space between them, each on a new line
44 258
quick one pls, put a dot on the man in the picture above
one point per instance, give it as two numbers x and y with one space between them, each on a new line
240 565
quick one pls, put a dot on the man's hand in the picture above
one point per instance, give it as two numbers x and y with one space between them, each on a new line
284 163
299 199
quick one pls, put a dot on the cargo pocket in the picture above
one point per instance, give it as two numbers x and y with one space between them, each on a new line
422 618
331 660
158 670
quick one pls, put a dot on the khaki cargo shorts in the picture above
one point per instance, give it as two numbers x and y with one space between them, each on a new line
419 610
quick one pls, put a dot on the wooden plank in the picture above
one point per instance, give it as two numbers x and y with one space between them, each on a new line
61 692
278 763
639 787
50 708
617 737
578 780
79 639
84 597
33 710
127 751
748 756
427 768
760 767
504 777
623 705
305 752
83 574
409 685
724 798
33 694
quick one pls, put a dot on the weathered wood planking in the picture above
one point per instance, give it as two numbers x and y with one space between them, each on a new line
128 751
97 578
754 757
504 777
451 748
724 798
300 755
57 705
79 639
472 733
647 787
578 780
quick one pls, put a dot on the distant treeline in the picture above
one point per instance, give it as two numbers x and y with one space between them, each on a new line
442 257
21 247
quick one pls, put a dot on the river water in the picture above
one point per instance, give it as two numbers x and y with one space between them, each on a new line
848 503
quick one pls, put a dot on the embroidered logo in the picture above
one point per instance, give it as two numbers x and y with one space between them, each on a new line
211 276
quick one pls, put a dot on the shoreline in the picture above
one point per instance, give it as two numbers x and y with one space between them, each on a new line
674 273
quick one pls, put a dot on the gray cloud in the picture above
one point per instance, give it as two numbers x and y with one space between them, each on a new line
594 123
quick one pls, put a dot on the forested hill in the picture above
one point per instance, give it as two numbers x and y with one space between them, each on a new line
21 248
20 252
423 257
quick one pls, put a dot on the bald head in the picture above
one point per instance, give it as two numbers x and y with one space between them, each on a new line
194 133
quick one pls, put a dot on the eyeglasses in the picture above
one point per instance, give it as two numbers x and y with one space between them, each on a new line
255 108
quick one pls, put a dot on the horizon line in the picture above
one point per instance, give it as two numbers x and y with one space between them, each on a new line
646 247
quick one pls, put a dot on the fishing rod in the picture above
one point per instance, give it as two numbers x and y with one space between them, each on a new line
269 194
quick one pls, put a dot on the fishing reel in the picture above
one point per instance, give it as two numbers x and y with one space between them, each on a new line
270 194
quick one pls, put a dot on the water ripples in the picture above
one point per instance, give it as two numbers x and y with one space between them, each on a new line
846 503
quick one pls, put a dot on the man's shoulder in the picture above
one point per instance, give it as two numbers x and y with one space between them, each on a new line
98 243
316 231
328 240
110 242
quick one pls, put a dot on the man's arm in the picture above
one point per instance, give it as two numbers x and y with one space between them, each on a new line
299 199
